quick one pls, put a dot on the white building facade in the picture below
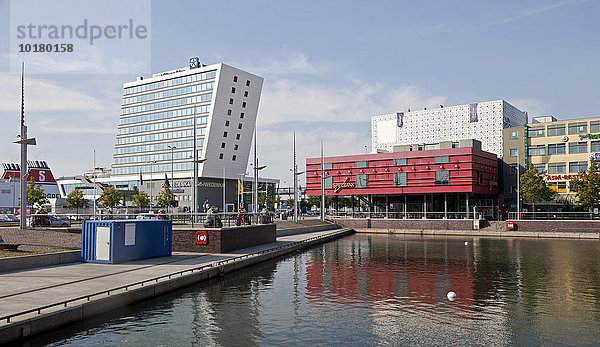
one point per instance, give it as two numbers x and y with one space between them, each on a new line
155 136
481 121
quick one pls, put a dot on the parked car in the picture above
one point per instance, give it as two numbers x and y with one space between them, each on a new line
45 220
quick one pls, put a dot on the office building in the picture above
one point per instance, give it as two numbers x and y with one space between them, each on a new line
426 129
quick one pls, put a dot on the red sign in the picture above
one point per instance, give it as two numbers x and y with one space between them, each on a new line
510 225
562 177
201 237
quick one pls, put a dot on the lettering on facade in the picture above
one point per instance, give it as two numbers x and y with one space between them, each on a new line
589 136
210 184
337 187
182 184
561 177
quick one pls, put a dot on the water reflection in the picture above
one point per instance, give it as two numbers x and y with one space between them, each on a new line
380 289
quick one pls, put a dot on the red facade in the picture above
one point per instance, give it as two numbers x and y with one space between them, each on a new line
470 170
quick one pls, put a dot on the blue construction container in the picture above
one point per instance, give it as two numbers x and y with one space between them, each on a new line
117 241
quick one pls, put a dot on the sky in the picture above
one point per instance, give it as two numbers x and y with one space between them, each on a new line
328 67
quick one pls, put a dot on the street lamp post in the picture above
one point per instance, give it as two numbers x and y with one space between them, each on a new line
296 174
195 185
518 186
172 177
151 162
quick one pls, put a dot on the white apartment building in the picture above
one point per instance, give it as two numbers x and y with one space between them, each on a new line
426 128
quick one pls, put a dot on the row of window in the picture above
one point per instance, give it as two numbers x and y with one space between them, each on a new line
169 93
233 158
559 148
159 136
163 125
149 157
164 115
150 168
559 129
166 104
557 168
444 159
239 124
233 92
235 79
231 101
171 82
229 114
237 136
442 178
158 146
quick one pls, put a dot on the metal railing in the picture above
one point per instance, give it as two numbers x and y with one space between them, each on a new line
208 220
407 215
218 264
553 216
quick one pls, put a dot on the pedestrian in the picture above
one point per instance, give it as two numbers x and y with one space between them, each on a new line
206 206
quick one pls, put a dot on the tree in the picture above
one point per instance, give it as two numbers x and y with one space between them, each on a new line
141 200
587 186
533 187
35 195
166 198
75 199
110 197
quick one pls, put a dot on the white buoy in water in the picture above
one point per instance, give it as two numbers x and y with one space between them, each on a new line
451 296
466 243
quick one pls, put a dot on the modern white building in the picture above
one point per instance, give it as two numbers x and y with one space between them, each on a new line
426 128
155 137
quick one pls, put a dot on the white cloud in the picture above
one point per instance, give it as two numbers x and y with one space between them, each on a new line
294 63
285 101
43 96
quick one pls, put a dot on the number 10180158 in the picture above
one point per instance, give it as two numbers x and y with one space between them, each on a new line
49 48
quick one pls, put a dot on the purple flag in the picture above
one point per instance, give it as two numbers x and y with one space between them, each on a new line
400 119
473 113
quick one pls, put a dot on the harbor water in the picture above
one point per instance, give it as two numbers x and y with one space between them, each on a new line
377 289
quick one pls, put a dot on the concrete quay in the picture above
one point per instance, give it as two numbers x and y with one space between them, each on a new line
35 300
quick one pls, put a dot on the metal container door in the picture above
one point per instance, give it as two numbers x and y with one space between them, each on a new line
102 243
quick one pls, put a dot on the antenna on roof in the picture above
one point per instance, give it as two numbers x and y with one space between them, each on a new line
408 96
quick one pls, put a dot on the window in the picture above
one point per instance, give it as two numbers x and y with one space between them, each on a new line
239 125
244 104
222 144
577 128
537 150
577 166
480 177
442 178
224 133
246 93
595 126
441 160
514 152
242 115
578 147
536 132
399 162
248 83
230 101
361 164
233 158
513 169
327 166
399 179
555 130
233 90
559 187
226 123
430 146
235 78
235 147
455 144
540 167
558 148
514 134
220 155
237 136
595 146
328 182
362 181
557 168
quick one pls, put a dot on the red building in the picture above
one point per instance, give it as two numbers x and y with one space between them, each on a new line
434 183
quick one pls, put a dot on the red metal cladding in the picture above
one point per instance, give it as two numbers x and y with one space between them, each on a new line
470 170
